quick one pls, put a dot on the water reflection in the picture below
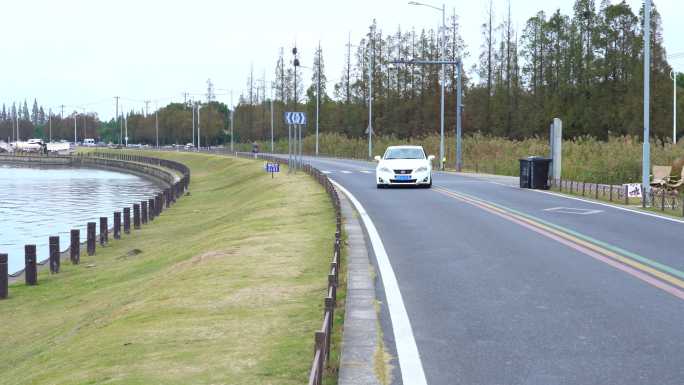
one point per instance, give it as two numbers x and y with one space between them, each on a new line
36 203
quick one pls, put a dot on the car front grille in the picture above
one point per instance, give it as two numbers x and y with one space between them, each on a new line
402 172
403 181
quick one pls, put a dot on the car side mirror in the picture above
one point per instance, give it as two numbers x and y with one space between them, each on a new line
377 158
431 158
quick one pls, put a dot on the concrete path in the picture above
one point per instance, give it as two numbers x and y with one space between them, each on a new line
360 339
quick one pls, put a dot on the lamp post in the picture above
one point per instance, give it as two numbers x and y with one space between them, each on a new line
443 58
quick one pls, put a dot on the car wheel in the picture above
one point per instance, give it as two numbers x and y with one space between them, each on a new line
379 186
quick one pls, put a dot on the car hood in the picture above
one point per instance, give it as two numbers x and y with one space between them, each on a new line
403 164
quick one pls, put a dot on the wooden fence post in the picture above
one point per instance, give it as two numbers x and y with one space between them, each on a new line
319 339
91 238
117 224
30 272
4 281
104 231
151 209
626 195
75 247
127 220
54 254
136 216
143 212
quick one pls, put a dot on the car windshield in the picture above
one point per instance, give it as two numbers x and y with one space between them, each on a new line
404 153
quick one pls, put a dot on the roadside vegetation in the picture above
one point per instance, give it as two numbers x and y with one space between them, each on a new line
616 160
225 287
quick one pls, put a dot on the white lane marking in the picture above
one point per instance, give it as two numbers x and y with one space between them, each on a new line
345 172
407 350
500 184
326 172
366 171
573 210
611 206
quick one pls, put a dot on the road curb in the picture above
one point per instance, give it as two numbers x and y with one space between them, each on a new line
360 337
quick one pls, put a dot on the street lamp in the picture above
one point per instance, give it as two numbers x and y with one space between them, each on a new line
443 58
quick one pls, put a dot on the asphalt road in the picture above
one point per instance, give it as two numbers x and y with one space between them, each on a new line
510 286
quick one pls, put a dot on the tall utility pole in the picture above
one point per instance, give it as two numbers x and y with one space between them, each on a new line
147 107
232 117
441 121
156 125
193 125
75 139
85 126
674 106
117 118
62 115
318 91
298 141
198 127
443 59
126 129
370 96
646 152
50 120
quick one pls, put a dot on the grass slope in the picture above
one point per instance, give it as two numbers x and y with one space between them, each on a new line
228 289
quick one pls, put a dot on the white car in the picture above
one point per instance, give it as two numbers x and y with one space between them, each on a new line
404 165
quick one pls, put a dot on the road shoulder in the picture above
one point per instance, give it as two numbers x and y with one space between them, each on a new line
360 340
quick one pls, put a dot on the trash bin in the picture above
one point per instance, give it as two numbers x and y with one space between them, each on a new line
534 172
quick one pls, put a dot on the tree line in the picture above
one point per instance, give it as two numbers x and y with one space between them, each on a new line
586 68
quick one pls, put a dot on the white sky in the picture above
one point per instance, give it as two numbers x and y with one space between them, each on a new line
84 52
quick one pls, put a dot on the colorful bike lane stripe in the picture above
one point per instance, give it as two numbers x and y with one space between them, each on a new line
654 273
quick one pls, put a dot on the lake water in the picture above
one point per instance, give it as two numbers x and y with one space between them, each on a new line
36 203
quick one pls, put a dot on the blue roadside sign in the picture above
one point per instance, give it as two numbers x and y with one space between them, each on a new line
295 118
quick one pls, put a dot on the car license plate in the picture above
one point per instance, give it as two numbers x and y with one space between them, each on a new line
403 177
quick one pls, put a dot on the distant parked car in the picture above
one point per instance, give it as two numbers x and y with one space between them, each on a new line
189 146
89 142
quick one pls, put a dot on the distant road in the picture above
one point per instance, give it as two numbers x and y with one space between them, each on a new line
510 286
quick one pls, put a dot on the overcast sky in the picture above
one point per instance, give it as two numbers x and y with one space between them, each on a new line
82 53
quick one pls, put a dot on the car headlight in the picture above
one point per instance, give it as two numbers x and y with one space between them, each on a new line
421 169
385 169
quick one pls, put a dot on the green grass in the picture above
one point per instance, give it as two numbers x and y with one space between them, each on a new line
616 160
228 289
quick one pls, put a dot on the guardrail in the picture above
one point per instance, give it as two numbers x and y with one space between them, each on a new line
658 198
177 185
322 336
